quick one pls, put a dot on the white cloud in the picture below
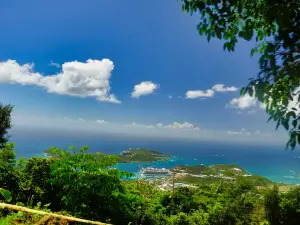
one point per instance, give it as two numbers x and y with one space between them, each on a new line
57 65
248 133
185 125
262 133
81 120
243 102
263 105
222 88
134 124
209 92
170 96
88 79
101 122
174 125
242 132
234 132
199 94
144 88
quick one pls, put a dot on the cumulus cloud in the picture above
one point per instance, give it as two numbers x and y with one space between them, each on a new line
200 94
192 94
81 79
247 101
101 122
57 65
222 88
144 88
81 120
243 102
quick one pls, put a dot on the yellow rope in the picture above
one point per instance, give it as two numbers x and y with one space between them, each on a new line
24 209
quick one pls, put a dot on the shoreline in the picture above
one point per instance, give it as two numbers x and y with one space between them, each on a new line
175 160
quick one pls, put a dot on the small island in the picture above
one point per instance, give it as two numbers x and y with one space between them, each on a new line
142 155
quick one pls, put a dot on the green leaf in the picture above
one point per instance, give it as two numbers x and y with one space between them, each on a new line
291 113
20 204
285 124
242 91
294 123
271 117
6 194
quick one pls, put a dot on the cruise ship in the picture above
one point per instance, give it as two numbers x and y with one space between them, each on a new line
150 171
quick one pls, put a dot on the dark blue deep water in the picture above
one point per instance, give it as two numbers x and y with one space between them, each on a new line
273 162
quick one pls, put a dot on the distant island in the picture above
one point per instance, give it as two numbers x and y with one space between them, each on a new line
131 155
142 155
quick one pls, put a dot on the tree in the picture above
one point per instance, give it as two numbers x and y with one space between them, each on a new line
275 26
34 182
8 174
5 122
87 182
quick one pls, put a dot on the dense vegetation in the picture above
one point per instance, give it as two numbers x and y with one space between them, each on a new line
87 186
5 122
141 155
275 27
201 174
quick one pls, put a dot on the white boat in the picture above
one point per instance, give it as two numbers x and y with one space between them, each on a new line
150 171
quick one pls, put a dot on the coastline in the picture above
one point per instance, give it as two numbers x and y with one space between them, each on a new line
134 167
282 173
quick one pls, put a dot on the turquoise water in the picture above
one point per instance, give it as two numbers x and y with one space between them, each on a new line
272 162
276 168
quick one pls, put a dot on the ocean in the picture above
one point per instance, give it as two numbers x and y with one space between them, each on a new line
273 162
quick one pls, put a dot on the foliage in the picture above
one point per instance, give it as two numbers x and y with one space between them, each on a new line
34 181
275 26
8 172
5 122
141 155
87 186
87 182
6 194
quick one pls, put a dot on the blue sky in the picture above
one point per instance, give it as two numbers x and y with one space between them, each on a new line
140 42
